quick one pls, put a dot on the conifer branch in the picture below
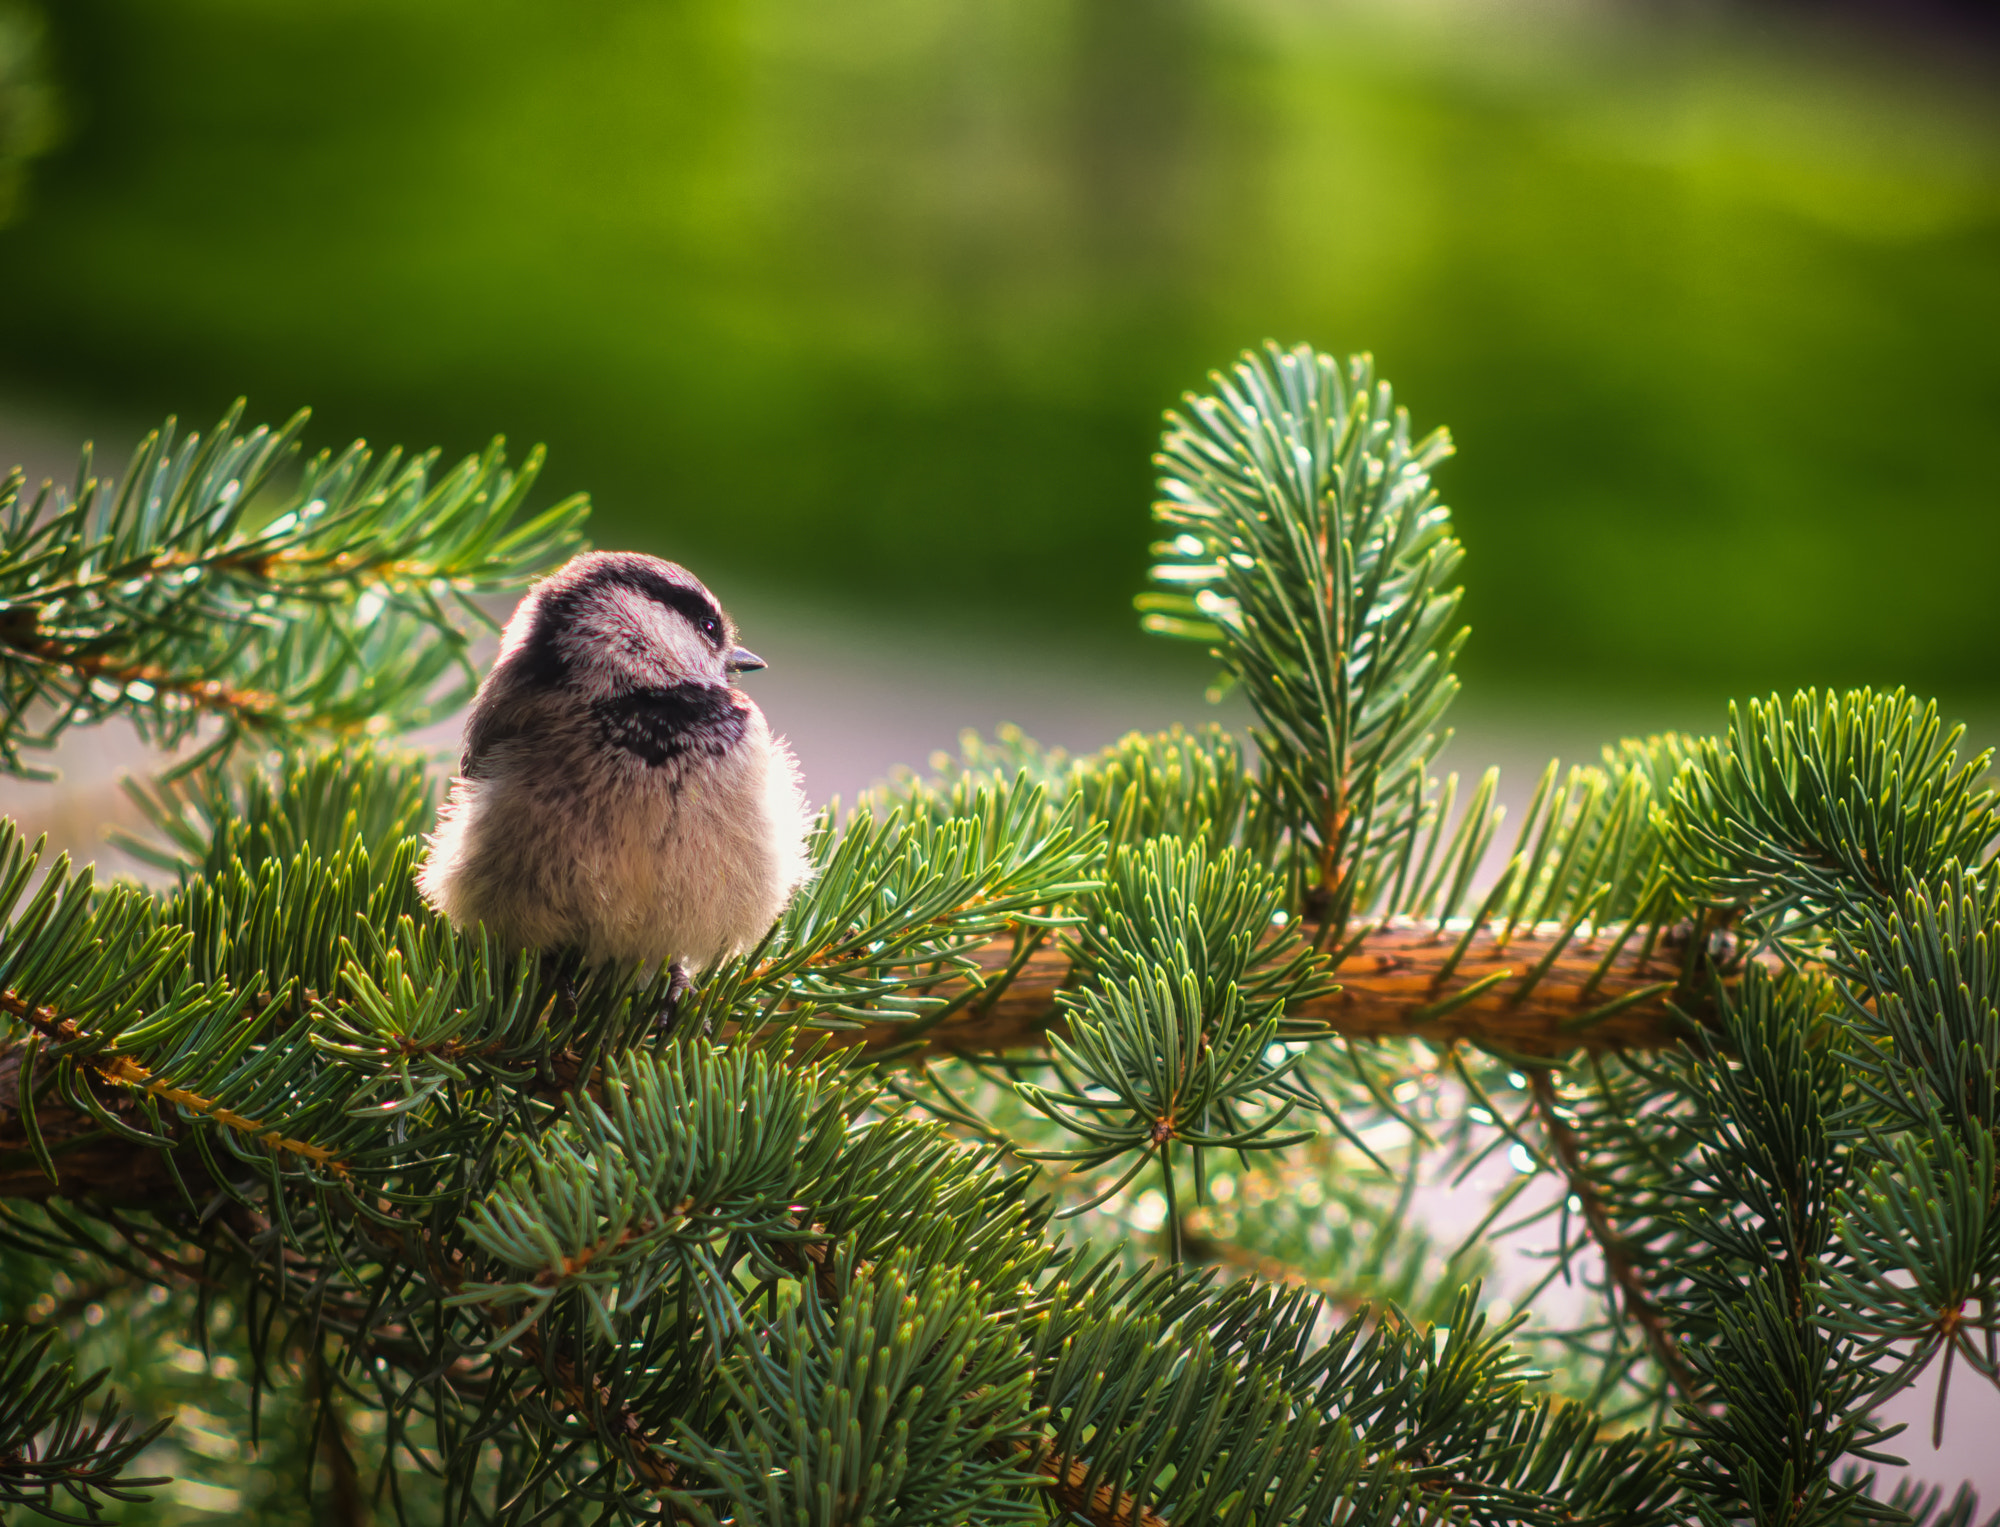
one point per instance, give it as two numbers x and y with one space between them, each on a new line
124 1071
1314 555
248 706
1393 985
1399 981
199 589
54 1458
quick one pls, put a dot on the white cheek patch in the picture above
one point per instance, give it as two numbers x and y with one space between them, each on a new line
687 651
621 635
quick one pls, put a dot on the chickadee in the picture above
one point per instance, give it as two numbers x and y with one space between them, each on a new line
617 795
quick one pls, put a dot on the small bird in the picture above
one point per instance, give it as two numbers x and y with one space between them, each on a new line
618 796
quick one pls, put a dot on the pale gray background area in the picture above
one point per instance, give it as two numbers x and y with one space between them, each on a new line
859 696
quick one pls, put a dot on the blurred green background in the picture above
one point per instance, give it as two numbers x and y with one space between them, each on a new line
869 310
880 302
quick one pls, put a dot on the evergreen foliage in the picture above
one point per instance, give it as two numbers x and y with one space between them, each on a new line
450 1234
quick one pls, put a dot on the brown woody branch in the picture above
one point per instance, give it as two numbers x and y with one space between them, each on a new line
1104 1506
92 1162
1401 982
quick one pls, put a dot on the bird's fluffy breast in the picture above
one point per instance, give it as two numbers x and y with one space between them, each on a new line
646 851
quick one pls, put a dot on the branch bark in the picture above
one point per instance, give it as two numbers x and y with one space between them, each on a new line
1401 982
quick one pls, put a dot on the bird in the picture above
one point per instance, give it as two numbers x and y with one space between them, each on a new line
618 798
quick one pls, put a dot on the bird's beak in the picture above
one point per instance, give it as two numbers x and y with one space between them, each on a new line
743 660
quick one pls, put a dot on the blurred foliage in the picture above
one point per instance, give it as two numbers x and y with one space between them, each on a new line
27 102
889 296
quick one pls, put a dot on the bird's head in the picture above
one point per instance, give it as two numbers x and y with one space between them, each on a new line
610 622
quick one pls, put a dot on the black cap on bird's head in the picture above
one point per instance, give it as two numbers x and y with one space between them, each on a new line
607 609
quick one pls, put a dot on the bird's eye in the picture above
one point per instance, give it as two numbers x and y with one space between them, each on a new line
708 626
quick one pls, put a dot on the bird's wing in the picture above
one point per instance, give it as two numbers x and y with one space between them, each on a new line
488 728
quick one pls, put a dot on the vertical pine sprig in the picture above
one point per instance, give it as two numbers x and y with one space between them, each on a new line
1312 552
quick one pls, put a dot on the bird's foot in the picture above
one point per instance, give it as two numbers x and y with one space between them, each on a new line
561 967
679 984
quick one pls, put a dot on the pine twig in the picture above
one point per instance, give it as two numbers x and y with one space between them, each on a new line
1617 1251
127 1072
594 1398
246 705
1394 985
